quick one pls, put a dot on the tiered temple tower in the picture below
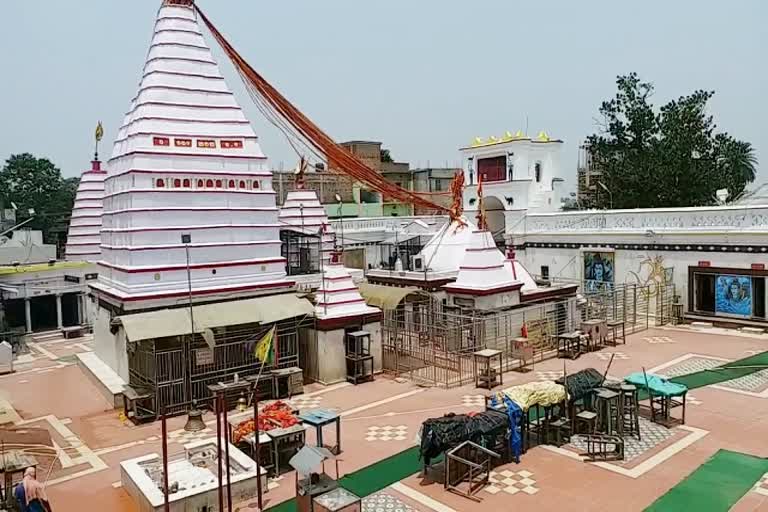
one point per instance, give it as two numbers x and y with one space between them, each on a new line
83 237
187 186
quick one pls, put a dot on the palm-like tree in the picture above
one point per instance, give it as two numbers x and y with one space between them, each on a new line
739 157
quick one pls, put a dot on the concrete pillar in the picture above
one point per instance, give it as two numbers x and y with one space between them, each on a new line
80 308
59 316
28 314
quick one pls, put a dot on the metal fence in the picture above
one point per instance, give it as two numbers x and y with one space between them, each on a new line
432 344
176 371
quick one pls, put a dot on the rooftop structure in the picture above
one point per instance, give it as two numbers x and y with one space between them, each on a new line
338 297
304 217
186 183
84 235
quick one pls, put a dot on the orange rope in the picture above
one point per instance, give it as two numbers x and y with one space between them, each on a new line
305 129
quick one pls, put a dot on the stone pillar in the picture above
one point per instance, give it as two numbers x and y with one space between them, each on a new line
59 316
28 314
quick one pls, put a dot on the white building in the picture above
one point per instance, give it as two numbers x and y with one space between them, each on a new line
84 235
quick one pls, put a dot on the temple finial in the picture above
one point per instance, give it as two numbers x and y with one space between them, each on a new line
98 136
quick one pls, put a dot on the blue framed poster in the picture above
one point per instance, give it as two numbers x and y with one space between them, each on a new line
598 271
733 295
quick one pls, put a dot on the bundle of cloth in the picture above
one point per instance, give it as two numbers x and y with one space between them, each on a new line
542 393
581 384
441 434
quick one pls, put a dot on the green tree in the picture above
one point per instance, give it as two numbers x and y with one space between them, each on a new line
385 156
37 183
666 158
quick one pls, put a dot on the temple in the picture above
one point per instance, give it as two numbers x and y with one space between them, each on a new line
84 235
187 187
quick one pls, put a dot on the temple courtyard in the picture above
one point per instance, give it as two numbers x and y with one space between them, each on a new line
381 420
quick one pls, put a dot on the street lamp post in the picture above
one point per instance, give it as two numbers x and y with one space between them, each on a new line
186 239
610 194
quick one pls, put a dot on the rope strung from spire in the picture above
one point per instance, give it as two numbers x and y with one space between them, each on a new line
284 114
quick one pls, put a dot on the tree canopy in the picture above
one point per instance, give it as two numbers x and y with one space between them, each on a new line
36 183
666 157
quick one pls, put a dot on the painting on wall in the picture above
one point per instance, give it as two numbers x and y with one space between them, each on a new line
598 271
733 295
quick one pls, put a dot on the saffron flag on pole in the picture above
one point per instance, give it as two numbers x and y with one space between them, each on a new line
263 350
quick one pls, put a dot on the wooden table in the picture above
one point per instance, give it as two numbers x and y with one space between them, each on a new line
597 330
569 345
523 351
319 418
286 441
486 376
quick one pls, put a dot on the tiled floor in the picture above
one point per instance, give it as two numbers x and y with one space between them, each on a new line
182 437
761 487
606 356
387 433
754 383
659 340
473 400
651 435
512 482
383 502
306 402
549 375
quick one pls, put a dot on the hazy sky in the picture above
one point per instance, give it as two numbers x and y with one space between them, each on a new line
422 76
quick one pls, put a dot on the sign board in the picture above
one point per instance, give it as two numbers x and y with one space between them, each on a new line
758 266
71 279
203 356
91 277
705 263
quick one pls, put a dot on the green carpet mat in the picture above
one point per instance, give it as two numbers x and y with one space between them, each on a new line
715 486
373 478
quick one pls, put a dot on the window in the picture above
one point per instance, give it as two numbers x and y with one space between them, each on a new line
177 183
242 184
199 183
537 172
438 185
231 184
545 271
209 183
492 169
255 184
160 183
219 183
187 183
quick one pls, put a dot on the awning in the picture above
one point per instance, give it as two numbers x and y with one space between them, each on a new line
385 297
175 322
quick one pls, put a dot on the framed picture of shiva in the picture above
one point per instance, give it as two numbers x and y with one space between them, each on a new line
598 271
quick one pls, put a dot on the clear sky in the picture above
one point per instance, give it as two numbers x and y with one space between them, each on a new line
422 76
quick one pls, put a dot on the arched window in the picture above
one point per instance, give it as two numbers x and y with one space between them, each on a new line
242 184
177 183
160 183
199 183
537 172
219 183
209 183
255 184
231 184
187 183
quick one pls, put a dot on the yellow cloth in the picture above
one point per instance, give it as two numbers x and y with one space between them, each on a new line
544 393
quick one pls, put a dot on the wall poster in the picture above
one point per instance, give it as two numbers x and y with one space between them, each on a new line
598 271
733 295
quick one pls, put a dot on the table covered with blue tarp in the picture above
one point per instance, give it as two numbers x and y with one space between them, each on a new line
658 386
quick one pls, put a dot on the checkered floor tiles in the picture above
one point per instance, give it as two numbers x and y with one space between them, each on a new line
473 400
511 482
761 487
306 402
182 437
754 383
549 375
606 356
659 340
383 502
387 433
651 435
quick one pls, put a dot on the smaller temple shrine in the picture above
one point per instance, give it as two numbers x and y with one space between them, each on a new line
84 235
306 235
346 328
